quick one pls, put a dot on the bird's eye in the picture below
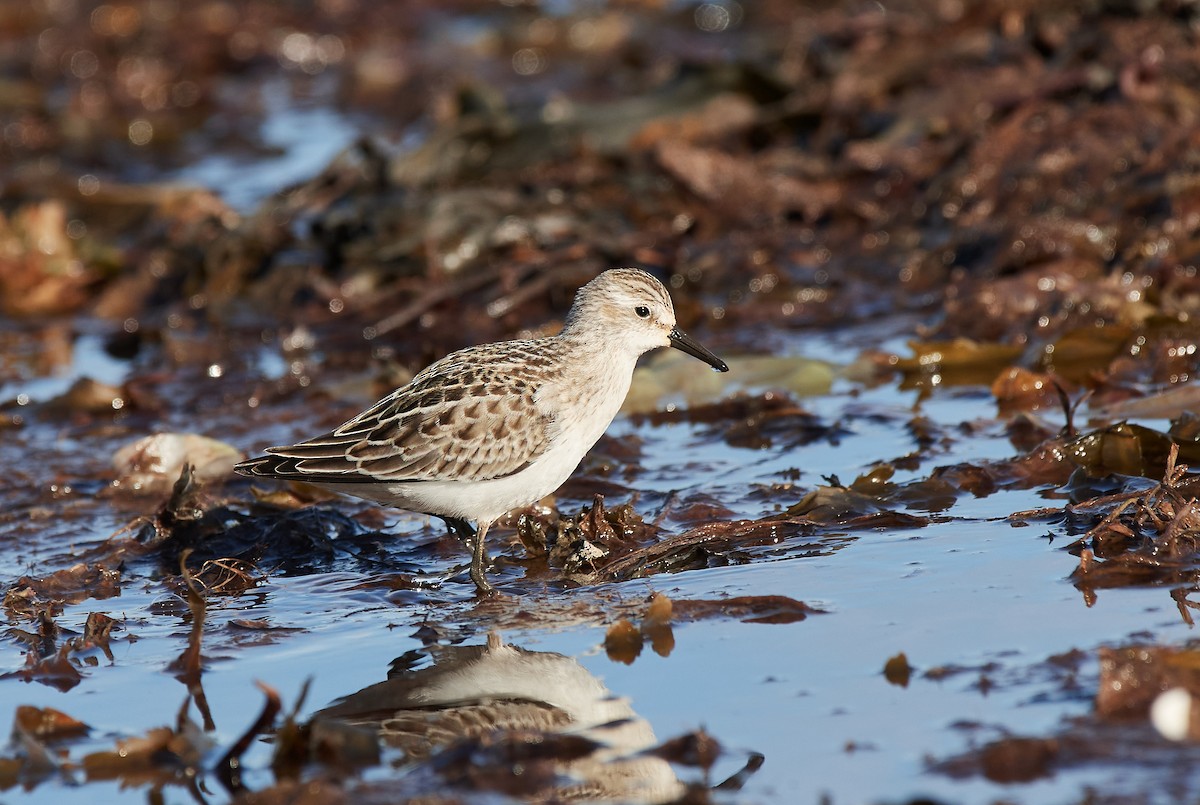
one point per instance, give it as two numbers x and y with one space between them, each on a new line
642 311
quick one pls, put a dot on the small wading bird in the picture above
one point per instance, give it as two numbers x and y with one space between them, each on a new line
494 427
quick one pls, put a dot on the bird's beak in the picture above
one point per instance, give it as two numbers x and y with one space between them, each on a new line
685 343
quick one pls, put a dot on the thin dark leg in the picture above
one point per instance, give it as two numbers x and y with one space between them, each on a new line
461 529
479 562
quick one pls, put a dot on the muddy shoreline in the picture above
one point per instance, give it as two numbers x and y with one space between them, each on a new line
936 532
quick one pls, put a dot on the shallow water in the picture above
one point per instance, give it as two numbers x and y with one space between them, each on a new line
286 129
969 590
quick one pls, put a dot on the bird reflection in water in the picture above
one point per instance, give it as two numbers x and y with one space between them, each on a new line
528 723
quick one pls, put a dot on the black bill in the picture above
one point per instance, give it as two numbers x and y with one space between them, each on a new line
685 343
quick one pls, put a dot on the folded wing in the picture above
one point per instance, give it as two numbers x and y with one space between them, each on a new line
462 420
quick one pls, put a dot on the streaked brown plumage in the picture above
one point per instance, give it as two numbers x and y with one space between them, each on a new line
496 426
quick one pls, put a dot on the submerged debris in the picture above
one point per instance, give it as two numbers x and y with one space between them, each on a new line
1148 535
623 642
897 671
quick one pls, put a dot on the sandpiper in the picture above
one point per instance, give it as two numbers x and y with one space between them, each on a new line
498 426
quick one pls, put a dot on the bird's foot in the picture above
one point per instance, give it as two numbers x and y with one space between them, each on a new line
483 587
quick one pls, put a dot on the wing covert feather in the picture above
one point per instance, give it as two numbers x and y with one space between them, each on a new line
472 416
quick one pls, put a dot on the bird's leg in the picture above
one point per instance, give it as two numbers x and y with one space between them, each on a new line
479 558
479 561
460 528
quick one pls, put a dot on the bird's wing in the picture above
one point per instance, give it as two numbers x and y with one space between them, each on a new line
472 416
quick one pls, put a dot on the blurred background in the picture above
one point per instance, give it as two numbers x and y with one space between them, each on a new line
949 248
